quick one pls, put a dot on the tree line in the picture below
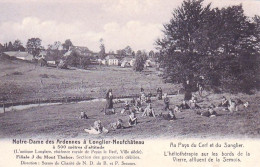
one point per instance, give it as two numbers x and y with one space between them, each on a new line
219 45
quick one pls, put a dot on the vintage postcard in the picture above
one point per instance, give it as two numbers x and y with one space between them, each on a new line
130 83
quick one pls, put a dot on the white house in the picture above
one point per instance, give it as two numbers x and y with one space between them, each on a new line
127 62
149 63
111 60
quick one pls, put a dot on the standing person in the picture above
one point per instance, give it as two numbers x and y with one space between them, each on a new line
188 90
109 98
159 93
200 85
166 102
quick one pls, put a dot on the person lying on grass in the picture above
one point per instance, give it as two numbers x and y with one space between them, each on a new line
132 119
193 103
148 111
169 116
184 105
97 128
209 113
83 115
117 125
126 108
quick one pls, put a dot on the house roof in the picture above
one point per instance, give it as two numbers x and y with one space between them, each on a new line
43 52
128 59
19 54
49 58
78 49
110 57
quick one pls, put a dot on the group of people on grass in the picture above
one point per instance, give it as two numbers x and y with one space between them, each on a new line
143 105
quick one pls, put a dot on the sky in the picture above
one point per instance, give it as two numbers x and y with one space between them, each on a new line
137 23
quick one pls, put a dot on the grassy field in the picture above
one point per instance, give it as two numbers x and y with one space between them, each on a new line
62 121
20 80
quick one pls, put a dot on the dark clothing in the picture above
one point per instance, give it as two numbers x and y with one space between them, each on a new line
223 104
166 103
188 92
169 117
109 99
194 106
184 106
159 93
132 121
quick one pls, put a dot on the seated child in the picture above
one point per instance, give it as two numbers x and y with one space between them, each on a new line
210 113
83 115
117 125
126 108
232 106
132 119
133 101
246 104
138 106
184 105
109 111
142 98
177 109
193 103
148 98
224 102
97 128
148 111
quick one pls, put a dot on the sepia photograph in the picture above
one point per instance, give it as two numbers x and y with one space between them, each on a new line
129 69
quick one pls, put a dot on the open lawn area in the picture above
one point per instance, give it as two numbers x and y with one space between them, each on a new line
62 121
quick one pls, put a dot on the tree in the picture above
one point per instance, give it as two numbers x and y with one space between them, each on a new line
34 46
102 52
151 54
77 60
18 46
139 61
10 46
217 44
128 51
54 51
133 54
67 44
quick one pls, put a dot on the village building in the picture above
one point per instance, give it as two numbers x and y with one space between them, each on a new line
20 55
111 60
150 63
127 62
81 50
50 60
